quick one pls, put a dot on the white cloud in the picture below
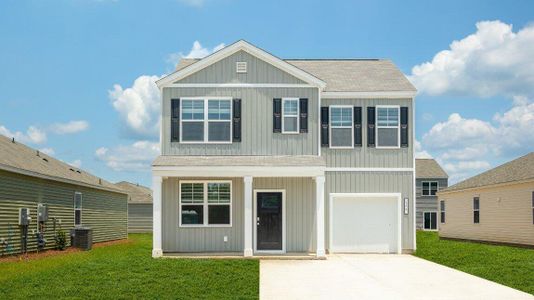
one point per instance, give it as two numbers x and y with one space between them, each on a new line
33 135
139 107
76 163
48 151
419 152
194 3
69 127
197 51
494 60
135 157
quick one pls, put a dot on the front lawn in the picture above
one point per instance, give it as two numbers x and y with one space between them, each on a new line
506 265
126 271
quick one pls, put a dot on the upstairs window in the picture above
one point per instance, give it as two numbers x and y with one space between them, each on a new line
341 127
77 209
442 210
476 210
429 188
290 115
206 121
387 127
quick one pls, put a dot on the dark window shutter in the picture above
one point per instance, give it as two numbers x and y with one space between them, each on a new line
303 115
357 126
324 127
404 126
277 115
175 120
236 120
370 127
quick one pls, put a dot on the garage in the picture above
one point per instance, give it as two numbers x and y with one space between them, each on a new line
365 223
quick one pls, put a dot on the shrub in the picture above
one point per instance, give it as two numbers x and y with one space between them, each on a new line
61 239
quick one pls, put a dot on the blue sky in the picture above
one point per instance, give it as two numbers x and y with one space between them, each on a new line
76 75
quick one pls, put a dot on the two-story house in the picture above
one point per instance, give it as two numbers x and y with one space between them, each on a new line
261 155
430 178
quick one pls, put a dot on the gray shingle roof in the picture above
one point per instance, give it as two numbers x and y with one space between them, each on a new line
248 160
429 168
348 75
519 169
19 158
136 193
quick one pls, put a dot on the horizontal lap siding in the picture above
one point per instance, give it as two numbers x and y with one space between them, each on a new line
365 157
505 214
140 217
105 212
256 123
426 203
373 182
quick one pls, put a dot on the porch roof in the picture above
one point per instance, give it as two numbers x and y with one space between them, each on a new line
250 165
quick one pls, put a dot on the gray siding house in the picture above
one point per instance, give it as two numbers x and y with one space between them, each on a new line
73 198
261 155
139 206
430 178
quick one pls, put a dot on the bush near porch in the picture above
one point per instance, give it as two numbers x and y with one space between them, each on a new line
510 266
126 271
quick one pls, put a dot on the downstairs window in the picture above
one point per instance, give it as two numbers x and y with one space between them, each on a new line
205 203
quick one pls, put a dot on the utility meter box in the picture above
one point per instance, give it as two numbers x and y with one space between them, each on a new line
42 212
24 216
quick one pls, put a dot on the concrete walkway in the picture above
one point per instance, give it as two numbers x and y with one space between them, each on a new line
372 276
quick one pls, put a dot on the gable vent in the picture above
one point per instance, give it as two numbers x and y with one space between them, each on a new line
241 66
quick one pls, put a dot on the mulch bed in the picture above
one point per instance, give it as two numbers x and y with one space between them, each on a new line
48 253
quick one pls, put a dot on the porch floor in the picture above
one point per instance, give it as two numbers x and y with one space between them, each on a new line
239 255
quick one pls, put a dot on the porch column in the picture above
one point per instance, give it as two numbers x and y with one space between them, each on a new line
319 209
157 203
248 216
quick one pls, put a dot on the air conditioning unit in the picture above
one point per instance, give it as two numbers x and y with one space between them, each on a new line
82 238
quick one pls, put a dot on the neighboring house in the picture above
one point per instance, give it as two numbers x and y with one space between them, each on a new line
495 206
139 206
429 179
73 197
261 155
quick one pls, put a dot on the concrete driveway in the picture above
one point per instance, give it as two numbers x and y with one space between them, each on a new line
372 276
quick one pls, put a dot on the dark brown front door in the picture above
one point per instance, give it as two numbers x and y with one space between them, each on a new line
269 221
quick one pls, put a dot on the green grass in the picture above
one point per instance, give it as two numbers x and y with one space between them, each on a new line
126 271
510 266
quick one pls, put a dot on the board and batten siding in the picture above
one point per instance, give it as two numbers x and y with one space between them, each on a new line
374 182
300 217
366 157
256 123
104 211
426 203
224 71
140 217
506 214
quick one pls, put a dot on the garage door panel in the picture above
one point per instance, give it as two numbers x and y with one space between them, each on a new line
365 225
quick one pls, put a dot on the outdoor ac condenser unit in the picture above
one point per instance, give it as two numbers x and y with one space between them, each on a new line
81 238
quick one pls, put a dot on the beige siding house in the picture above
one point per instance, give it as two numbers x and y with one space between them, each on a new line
139 206
495 206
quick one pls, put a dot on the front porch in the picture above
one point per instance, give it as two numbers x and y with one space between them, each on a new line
276 208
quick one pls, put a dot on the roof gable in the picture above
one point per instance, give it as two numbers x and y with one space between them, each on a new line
231 49
428 168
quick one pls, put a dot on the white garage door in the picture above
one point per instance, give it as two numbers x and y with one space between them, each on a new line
365 223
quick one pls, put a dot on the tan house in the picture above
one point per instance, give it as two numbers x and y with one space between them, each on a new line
495 206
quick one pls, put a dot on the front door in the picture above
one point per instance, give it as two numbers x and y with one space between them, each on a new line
269 224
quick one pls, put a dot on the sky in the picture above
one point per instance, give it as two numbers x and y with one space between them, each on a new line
77 76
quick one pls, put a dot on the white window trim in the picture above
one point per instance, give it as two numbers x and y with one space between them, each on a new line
80 209
437 221
206 120
204 204
430 187
255 209
377 127
297 116
330 127
444 211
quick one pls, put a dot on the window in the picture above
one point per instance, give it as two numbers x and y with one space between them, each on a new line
476 210
429 188
387 126
290 115
77 209
206 121
205 203
430 220
442 210
341 128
